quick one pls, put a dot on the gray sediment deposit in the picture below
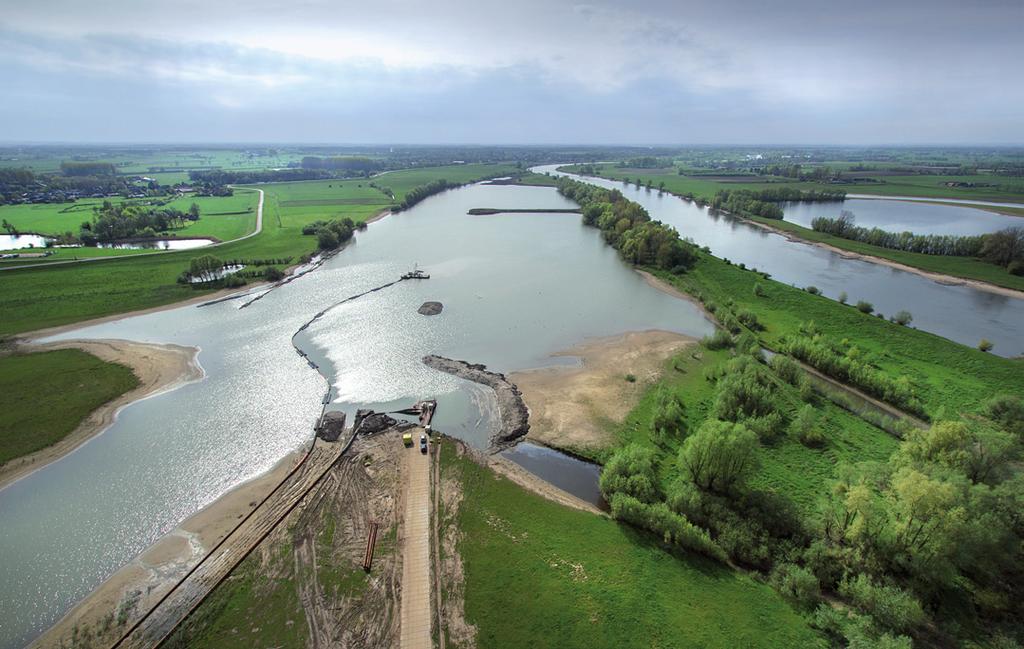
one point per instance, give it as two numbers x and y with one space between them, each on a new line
514 416
430 308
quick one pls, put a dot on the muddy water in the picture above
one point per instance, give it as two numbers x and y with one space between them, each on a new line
960 313
515 288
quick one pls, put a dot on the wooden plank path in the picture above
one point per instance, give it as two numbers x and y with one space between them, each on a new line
416 613
173 608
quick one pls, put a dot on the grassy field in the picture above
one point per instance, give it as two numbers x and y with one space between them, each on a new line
923 186
230 216
945 375
41 297
538 574
45 395
965 267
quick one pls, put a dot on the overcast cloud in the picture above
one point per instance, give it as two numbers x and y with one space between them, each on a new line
513 72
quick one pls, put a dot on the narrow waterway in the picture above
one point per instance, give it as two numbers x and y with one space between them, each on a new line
515 288
960 313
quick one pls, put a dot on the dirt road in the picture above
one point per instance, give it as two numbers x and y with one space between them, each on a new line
416 613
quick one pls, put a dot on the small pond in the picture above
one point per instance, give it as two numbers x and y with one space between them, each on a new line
158 244
569 474
21 241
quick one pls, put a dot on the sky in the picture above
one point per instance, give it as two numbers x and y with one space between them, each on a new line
522 72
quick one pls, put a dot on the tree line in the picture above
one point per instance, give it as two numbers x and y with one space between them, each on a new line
628 228
333 233
1004 248
352 164
417 194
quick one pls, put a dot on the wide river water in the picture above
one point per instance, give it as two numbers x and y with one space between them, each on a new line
515 288
957 312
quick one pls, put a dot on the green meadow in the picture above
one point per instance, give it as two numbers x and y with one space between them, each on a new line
538 574
46 395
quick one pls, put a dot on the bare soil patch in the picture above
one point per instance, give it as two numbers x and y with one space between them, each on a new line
575 407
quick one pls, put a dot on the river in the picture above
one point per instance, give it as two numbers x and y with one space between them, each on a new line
960 313
515 288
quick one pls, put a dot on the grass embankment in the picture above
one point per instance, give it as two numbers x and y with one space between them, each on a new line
35 298
538 574
46 395
964 267
945 375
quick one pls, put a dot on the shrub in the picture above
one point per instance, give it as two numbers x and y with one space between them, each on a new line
985 345
631 378
234 281
891 607
842 297
672 527
669 416
865 307
721 339
902 318
758 289
804 427
273 274
720 456
786 368
630 471
749 319
797 584
813 290
1016 268
1007 411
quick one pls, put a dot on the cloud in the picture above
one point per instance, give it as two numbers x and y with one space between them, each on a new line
721 71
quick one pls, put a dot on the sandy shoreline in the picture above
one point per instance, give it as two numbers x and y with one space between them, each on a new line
158 368
153 573
571 407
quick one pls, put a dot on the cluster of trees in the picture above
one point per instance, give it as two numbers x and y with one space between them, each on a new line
894 541
1004 248
790 194
815 173
350 165
86 168
849 364
939 522
112 222
628 228
745 203
418 194
221 177
331 234
646 162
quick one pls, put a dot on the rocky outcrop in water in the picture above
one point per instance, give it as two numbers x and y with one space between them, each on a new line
514 417
430 308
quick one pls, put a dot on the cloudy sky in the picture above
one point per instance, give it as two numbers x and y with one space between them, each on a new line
486 71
